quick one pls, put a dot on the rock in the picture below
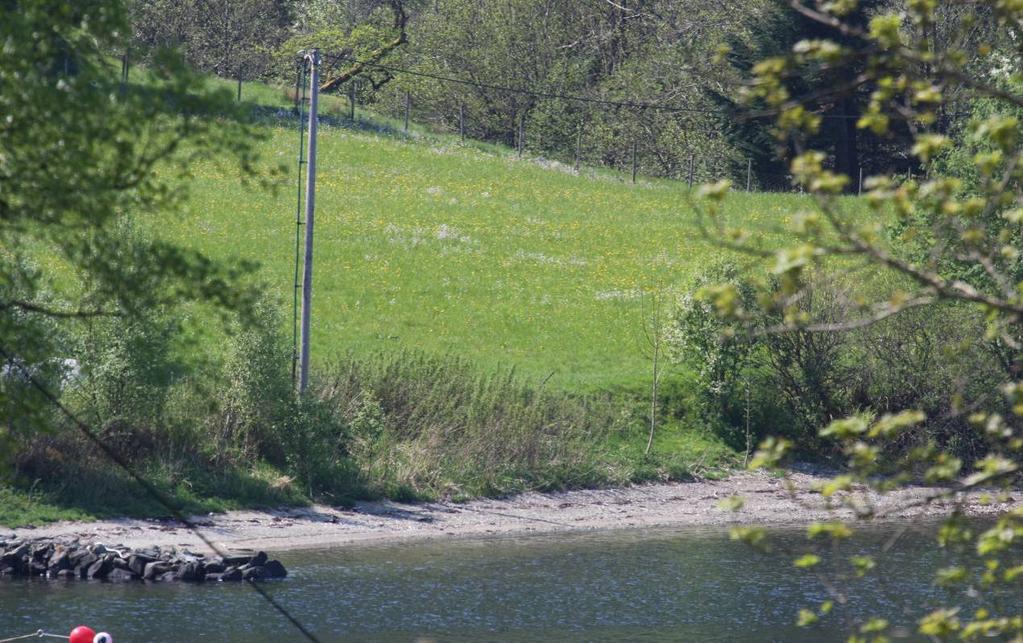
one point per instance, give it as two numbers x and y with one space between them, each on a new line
98 549
37 568
67 573
191 572
121 575
101 568
168 577
154 569
274 569
83 558
231 574
259 559
60 560
213 577
137 563
14 555
215 568
41 552
256 572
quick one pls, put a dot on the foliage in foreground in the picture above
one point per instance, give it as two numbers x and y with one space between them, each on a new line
971 233
81 155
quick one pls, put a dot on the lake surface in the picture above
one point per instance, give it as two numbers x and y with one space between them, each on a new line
662 585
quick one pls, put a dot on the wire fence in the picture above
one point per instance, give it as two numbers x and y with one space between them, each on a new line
639 139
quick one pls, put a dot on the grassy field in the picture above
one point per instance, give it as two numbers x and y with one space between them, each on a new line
429 246
424 243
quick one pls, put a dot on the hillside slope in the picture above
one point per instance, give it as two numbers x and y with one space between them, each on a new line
451 249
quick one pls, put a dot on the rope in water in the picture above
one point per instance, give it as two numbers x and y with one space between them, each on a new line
38 634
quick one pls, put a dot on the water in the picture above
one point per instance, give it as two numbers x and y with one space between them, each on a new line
636 585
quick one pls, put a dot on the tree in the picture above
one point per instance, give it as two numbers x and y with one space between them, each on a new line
974 259
229 38
82 160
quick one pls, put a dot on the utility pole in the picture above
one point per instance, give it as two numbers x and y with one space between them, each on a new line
310 196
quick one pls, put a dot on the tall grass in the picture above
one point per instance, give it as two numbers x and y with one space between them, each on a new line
425 425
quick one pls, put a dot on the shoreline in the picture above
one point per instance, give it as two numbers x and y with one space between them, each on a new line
660 505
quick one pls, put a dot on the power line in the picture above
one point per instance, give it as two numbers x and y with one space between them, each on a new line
660 107
147 486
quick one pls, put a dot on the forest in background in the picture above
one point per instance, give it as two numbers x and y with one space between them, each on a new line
595 81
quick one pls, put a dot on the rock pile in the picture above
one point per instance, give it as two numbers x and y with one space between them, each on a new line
73 560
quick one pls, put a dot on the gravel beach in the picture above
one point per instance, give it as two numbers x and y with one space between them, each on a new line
769 500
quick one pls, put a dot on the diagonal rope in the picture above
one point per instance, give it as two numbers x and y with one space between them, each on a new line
155 493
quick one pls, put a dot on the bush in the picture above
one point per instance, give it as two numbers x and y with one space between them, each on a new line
801 380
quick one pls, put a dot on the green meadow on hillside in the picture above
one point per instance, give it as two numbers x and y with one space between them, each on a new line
424 243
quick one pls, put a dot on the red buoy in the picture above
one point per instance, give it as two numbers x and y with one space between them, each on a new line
81 634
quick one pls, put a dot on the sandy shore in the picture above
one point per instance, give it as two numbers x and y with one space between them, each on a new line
768 501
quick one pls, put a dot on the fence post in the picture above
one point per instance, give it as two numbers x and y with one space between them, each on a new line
634 168
749 174
239 89
692 162
125 62
408 108
522 134
578 147
859 189
351 100
461 121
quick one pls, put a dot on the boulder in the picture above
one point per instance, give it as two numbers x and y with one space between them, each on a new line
259 559
274 569
60 560
101 568
83 558
191 572
231 574
67 574
13 556
256 572
137 563
121 575
155 569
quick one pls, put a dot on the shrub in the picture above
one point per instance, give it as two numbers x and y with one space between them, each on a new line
803 379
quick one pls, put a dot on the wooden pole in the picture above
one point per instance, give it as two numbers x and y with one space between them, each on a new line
351 100
634 167
522 134
461 121
408 108
310 198
859 190
578 147
692 162
239 89
749 174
